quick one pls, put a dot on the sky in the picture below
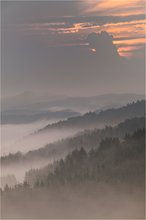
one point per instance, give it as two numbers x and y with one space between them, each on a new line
75 48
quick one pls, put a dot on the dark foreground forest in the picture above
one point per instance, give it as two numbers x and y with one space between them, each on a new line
107 182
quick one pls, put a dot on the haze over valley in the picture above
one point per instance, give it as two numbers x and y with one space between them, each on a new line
73 109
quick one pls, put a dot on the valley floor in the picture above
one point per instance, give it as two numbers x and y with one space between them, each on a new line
82 202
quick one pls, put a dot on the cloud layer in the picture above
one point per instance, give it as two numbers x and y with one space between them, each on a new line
45 46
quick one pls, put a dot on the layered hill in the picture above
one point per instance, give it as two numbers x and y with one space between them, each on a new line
91 120
88 139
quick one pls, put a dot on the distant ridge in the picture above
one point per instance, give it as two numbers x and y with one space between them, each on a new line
95 120
32 101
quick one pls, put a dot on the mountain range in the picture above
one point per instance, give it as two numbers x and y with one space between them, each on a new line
92 120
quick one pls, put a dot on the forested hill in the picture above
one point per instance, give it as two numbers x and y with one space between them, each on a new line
111 176
87 139
113 162
98 120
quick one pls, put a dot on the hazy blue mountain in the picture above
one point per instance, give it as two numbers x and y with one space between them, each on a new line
29 107
97 120
23 116
30 101
98 102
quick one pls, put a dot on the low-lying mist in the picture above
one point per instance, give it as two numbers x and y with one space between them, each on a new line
20 137
99 201
19 170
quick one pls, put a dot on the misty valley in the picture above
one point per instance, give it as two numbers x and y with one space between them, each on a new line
73 109
95 161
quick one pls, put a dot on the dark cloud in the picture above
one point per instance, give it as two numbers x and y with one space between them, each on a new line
100 20
69 12
62 63
103 45
73 70
18 12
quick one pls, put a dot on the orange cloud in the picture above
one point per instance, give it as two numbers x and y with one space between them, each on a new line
116 7
126 29
93 50
130 42
114 3
128 51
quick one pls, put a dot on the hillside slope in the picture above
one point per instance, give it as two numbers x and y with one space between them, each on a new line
98 120
88 139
